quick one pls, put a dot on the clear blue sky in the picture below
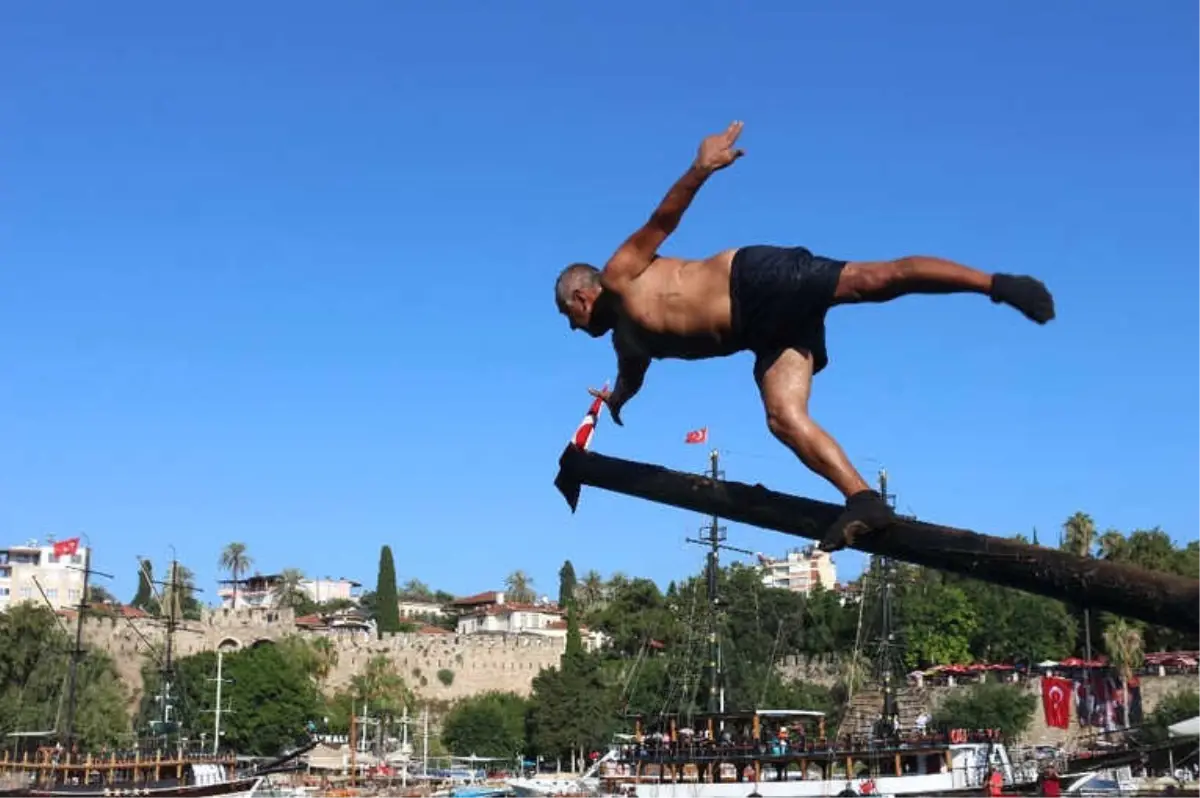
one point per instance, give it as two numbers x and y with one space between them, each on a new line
281 272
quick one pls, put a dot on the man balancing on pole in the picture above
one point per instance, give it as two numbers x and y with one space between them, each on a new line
768 300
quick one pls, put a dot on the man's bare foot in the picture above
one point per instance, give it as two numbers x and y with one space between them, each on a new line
865 512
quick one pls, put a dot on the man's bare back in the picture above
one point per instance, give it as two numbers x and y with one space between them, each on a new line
768 300
677 308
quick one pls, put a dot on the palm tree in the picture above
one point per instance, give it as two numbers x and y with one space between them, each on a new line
326 658
590 592
235 560
1112 544
1123 642
1079 534
519 586
288 592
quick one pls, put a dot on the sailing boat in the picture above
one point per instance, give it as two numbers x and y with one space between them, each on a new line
158 768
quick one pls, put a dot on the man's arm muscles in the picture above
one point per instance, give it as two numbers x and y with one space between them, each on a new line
632 258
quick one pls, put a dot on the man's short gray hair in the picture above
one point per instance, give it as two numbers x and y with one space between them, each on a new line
572 278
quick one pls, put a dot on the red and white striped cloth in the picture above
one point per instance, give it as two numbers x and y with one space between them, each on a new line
587 427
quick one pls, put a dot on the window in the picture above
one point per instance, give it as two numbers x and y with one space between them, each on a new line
26 592
52 593
73 594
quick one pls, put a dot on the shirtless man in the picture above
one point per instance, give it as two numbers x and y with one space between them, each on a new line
767 300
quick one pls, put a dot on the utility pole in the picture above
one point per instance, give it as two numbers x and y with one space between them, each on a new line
714 541
219 710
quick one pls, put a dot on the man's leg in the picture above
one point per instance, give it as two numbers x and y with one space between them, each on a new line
784 380
880 281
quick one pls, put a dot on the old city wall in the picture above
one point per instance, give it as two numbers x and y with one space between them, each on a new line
478 663
823 670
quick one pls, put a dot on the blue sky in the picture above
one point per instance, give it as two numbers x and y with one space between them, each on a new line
281 272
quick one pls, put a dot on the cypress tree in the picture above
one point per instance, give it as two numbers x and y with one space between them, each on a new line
387 607
566 584
144 598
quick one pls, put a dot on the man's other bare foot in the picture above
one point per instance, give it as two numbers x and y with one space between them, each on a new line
866 512
1026 294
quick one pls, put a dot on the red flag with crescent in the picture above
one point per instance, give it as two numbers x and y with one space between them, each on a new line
1056 701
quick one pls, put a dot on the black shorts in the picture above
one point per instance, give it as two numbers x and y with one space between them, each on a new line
779 297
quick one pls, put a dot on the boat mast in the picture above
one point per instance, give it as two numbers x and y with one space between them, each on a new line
887 645
714 541
77 652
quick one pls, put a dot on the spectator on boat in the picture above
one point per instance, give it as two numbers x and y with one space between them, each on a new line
993 782
1050 784
921 723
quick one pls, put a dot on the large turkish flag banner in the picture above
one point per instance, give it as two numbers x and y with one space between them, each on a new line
1056 701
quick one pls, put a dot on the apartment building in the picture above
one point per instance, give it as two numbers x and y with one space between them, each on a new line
44 573
800 570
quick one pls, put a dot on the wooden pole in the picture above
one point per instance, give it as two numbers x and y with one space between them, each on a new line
1157 598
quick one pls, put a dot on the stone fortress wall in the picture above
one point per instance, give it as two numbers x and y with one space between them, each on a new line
479 662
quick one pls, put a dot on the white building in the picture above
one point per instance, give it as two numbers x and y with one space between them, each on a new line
262 590
490 612
42 573
800 570
414 609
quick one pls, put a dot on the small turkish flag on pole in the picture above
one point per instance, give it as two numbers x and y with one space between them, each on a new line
697 436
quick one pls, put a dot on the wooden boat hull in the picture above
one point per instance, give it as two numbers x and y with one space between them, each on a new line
225 789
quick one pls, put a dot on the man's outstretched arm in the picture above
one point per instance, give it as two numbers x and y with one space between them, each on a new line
631 371
638 251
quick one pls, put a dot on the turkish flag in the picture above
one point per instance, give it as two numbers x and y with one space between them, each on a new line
697 436
66 548
1056 701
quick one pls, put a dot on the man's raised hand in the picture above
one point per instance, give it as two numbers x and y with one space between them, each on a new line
615 410
717 152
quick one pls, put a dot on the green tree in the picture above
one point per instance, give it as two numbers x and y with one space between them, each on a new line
566 584
1123 642
519 586
572 708
590 592
271 690
491 724
98 594
387 602
989 705
236 561
938 621
416 590
288 592
144 599
1172 708
35 653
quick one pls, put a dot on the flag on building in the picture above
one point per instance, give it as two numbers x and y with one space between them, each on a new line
697 436
66 548
1056 701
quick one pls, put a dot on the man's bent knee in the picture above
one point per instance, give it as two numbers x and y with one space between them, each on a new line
790 426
